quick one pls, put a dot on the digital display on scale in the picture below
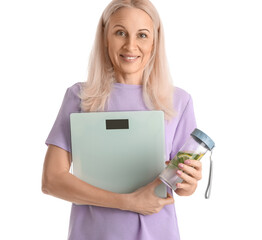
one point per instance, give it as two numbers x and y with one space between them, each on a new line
117 124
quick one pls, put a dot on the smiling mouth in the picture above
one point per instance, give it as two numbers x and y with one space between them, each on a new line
129 58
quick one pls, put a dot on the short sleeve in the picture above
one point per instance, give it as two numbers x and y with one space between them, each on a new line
60 133
185 127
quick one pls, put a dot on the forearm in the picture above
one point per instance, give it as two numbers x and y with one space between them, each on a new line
68 187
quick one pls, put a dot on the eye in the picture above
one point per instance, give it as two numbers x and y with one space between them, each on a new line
142 35
120 33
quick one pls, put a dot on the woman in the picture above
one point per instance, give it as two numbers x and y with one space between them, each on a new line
127 71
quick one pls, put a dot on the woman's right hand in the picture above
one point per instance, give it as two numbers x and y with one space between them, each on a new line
145 201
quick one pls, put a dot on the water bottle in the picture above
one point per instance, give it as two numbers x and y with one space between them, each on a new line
194 148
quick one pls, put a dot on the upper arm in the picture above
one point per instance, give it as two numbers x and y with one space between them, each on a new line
58 156
186 124
57 161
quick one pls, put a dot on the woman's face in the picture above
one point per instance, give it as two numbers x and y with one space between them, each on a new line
130 40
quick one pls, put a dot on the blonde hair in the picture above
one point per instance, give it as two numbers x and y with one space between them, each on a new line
157 83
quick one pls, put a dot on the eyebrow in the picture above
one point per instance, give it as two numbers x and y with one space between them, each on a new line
125 28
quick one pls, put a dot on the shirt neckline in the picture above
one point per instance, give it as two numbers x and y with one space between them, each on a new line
127 86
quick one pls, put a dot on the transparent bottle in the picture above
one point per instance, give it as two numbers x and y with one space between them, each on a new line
194 148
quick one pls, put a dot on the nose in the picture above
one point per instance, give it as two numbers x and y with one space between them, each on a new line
131 43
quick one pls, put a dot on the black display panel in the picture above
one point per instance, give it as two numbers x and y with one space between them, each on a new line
117 124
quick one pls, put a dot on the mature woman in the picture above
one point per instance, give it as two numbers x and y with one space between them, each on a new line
127 71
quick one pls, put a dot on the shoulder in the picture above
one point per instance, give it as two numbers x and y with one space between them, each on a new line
75 89
179 92
181 99
72 101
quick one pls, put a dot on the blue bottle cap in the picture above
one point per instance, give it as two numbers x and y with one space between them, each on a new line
202 137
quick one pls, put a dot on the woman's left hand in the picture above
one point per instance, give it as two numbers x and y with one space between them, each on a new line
191 173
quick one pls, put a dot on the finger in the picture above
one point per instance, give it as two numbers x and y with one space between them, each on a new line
187 178
167 162
193 172
185 186
156 182
168 200
194 163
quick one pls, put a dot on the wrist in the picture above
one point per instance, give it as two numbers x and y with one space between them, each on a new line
125 202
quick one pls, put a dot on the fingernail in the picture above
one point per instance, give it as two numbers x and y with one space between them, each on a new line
187 162
180 165
178 172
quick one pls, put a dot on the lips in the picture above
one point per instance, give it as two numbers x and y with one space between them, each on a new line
129 58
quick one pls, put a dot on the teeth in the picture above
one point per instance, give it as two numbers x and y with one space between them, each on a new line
130 58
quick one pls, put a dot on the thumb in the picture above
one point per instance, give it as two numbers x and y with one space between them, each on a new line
169 199
156 182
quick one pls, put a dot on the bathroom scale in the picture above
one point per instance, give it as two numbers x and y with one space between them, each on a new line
119 151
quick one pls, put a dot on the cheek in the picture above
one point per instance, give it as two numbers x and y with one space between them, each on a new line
113 48
148 49
111 52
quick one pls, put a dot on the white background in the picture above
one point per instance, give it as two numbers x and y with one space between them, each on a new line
215 53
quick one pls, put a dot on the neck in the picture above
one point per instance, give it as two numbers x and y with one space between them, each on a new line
129 79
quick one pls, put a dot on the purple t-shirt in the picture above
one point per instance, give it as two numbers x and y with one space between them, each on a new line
99 223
